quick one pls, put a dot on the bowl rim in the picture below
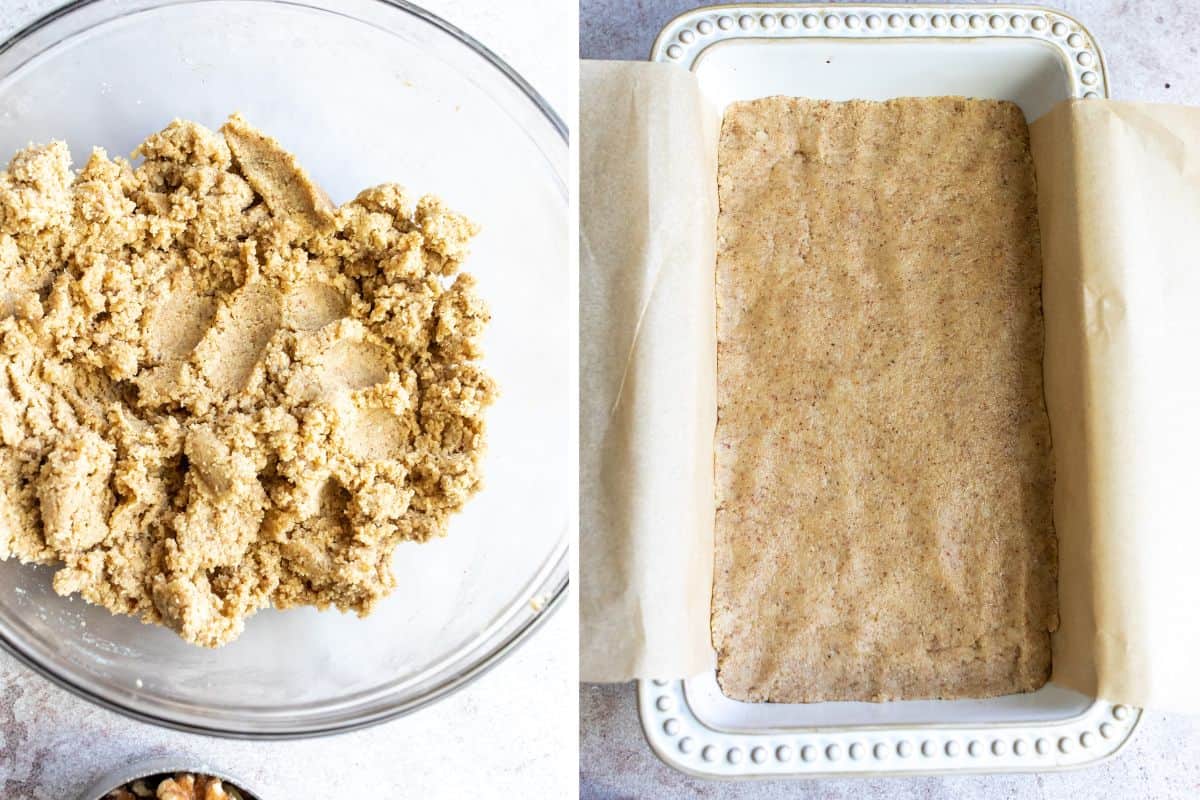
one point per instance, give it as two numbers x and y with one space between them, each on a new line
489 658
120 775
400 5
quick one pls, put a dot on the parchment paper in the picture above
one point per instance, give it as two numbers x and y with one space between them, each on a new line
647 379
1119 209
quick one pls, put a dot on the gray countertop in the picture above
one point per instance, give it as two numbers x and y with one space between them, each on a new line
1153 54
483 741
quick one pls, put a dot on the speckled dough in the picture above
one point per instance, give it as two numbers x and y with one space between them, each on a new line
884 472
219 392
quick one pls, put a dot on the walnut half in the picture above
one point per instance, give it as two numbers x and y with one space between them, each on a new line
181 786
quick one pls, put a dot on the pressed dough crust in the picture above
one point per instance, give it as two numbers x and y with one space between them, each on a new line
883 462
219 392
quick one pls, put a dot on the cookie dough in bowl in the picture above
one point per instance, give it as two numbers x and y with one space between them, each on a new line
221 392
361 93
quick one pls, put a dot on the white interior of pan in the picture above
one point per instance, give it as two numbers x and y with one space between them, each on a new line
1029 72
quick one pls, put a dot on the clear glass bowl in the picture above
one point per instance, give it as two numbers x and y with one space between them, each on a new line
364 92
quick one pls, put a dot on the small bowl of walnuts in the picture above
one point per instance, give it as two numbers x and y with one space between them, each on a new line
168 779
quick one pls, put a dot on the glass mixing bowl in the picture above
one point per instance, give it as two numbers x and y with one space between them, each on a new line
364 92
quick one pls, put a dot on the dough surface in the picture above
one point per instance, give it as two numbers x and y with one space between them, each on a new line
220 392
883 460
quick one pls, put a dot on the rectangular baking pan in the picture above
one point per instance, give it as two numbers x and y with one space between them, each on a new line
1035 57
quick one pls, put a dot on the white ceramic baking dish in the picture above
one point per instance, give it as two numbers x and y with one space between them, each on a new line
1034 57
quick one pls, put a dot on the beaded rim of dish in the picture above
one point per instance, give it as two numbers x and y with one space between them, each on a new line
684 741
690 34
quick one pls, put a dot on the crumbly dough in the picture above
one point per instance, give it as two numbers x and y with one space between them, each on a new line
219 392
883 467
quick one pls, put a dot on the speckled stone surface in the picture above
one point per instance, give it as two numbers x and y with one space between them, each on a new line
1153 54
510 734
